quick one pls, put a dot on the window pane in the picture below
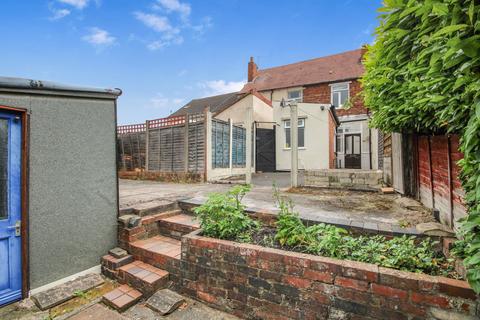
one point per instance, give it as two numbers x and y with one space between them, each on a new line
301 137
343 97
301 122
339 144
3 169
343 86
356 144
348 145
287 138
335 99
287 123
294 94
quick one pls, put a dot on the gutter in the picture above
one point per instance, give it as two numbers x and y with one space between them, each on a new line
48 87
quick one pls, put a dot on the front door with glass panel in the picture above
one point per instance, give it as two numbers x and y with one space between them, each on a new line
10 208
353 156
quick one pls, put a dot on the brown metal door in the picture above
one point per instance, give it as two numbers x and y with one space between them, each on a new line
353 152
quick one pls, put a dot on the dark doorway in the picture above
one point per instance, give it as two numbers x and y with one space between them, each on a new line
265 150
353 152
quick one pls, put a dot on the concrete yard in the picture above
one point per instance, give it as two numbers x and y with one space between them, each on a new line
312 204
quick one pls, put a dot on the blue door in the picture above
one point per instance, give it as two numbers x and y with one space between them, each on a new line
10 208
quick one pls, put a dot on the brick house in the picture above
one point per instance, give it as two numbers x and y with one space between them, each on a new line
326 81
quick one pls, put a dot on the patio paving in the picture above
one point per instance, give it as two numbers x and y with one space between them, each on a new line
316 204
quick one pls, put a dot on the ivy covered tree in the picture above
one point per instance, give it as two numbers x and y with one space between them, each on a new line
423 75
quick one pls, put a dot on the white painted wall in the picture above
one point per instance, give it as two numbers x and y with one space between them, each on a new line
262 112
315 154
276 95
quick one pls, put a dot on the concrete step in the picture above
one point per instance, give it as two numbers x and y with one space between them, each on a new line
178 225
143 277
154 207
122 297
159 251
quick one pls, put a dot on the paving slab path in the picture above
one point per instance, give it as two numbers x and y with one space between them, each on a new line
320 204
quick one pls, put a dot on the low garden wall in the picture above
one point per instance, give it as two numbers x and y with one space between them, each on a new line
180 177
344 178
255 282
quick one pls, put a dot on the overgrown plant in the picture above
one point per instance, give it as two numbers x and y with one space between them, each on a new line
403 253
423 75
223 215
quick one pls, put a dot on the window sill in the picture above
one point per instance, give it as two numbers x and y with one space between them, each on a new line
299 148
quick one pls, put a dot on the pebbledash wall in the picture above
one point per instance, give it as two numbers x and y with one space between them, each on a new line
72 178
254 282
438 176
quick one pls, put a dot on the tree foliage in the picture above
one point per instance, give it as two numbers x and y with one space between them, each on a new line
422 75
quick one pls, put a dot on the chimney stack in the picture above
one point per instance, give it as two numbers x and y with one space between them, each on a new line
252 70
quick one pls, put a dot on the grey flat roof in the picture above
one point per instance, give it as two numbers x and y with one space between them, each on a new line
32 85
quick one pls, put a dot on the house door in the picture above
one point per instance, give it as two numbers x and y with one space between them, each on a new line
265 150
10 208
353 154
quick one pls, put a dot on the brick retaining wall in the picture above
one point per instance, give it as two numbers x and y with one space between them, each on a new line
262 283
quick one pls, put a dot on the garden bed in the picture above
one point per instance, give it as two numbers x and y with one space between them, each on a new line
288 270
257 282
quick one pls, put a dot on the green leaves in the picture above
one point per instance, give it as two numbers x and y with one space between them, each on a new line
426 77
404 253
223 215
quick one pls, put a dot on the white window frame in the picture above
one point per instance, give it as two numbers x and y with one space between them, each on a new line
334 90
299 99
285 126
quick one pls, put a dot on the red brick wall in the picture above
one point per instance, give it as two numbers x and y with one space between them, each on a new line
441 185
320 93
254 282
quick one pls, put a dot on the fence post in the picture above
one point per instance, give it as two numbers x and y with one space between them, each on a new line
248 142
230 151
185 154
294 144
208 144
147 138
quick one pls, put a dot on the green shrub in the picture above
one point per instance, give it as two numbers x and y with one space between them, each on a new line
223 216
403 253
422 75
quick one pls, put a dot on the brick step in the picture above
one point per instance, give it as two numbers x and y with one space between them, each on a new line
143 277
159 251
122 297
110 264
178 225
133 227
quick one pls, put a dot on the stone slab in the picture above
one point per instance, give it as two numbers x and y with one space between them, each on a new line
192 310
97 311
165 301
64 292
118 252
435 229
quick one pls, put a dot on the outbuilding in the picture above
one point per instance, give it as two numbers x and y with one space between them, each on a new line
58 183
